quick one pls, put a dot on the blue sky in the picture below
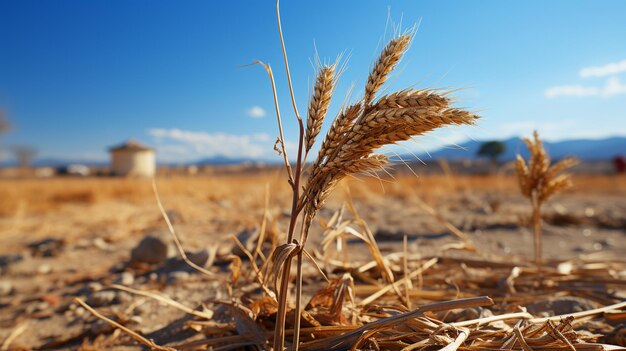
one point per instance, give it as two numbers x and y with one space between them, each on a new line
79 76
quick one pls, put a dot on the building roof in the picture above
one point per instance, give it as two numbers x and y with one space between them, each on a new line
131 145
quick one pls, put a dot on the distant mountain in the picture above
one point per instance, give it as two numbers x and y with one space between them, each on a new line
584 149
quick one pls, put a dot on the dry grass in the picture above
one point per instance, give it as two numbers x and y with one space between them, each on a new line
38 196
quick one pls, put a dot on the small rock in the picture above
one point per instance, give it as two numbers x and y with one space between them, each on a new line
44 269
48 247
608 242
51 299
101 327
6 288
136 319
177 277
102 244
126 279
248 238
102 298
150 249
561 305
36 307
94 286
7 260
200 257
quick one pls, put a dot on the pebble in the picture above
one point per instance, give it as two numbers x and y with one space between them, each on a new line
150 249
94 286
101 327
44 269
36 307
102 244
560 305
248 238
6 288
47 248
126 279
102 298
177 277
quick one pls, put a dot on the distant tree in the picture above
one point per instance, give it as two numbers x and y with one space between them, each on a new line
492 150
24 155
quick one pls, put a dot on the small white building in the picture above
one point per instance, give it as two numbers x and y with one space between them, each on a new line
132 159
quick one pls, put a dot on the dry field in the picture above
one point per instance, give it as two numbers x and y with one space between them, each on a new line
392 263
63 238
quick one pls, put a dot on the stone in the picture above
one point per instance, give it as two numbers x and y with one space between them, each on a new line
94 286
102 244
177 277
6 288
151 250
101 327
126 279
102 298
44 269
47 247
561 305
248 238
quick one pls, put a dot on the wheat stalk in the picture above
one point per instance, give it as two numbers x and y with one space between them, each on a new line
356 133
538 181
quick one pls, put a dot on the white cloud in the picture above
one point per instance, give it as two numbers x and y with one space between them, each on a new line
613 86
603 71
256 112
571 90
188 145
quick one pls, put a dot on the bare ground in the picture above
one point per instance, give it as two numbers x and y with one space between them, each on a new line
76 247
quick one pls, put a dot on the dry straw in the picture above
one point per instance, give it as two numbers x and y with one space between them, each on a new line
356 133
538 181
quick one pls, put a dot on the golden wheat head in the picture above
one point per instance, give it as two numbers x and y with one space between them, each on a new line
369 124
318 106
538 179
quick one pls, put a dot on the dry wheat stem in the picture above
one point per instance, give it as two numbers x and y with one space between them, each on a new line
348 148
130 332
179 245
281 138
538 181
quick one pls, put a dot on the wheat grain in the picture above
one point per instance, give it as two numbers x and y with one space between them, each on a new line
318 106
387 61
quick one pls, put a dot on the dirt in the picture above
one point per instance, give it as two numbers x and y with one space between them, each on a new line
77 250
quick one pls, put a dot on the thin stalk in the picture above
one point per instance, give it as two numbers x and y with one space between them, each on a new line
298 311
282 42
536 218
279 331
268 68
